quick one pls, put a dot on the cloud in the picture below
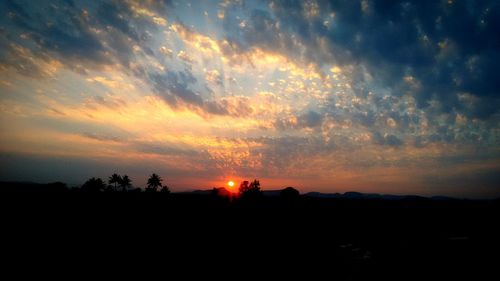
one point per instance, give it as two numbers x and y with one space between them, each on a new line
77 35
166 51
102 137
174 87
310 119
213 76
185 57
56 111
447 47
24 61
232 106
387 139
391 41
115 83
117 35
111 102
159 148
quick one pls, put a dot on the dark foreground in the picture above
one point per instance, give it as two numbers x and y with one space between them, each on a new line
324 239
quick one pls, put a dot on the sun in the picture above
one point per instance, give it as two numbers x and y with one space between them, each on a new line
230 183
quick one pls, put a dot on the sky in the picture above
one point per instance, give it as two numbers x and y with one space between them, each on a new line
397 97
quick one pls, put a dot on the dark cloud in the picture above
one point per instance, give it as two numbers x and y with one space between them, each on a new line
387 139
447 47
366 118
20 59
62 31
174 87
310 119
117 15
235 106
263 30
87 34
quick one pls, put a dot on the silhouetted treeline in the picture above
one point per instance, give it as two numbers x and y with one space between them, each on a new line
122 183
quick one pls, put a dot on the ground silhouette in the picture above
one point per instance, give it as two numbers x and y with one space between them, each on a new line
350 236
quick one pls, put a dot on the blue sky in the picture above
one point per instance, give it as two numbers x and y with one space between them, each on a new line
376 96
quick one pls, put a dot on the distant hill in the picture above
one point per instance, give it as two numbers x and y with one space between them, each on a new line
350 195
221 191
32 187
363 196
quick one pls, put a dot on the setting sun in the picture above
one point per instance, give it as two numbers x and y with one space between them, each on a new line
230 183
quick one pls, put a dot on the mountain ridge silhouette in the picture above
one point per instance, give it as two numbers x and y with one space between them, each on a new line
30 186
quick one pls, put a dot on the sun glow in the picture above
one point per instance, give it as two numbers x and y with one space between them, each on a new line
230 183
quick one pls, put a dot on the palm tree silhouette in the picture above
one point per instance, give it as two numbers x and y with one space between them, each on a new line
114 179
125 183
154 182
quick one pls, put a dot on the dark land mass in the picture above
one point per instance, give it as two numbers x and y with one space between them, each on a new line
338 237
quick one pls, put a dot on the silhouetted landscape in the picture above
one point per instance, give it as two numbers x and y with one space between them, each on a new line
352 236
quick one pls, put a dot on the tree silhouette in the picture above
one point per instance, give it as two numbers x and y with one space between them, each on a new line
255 186
243 187
250 190
57 187
125 183
154 182
114 179
93 185
165 189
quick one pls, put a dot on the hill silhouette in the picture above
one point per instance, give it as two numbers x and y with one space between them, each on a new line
349 236
94 184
